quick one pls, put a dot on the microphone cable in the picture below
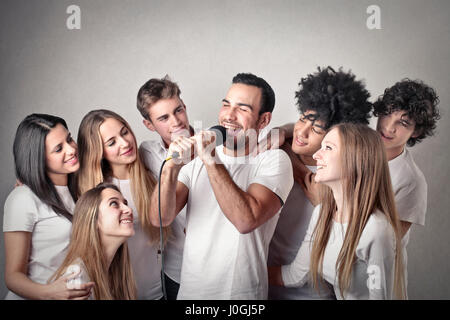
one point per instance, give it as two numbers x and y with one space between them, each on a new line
161 237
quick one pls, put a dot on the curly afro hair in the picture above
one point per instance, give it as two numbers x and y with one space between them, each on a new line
335 97
418 100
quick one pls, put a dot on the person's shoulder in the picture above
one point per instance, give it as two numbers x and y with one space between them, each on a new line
405 173
22 195
274 154
149 145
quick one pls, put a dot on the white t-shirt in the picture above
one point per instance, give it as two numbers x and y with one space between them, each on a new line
154 153
24 211
143 255
287 239
219 262
410 190
375 253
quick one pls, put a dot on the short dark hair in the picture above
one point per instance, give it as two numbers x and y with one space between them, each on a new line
267 93
418 100
30 160
335 97
154 90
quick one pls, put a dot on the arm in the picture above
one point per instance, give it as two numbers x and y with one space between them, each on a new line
17 250
245 210
303 176
404 225
276 137
174 194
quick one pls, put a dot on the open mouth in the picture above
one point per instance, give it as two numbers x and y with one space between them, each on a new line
232 130
72 160
126 221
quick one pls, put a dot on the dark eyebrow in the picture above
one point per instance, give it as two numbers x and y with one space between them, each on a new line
239 104
245 105
163 116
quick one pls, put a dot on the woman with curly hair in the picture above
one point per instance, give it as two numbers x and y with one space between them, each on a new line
353 241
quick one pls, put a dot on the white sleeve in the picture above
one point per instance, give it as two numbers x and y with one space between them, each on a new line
411 202
20 211
296 274
275 173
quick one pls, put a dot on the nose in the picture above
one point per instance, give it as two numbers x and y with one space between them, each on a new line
317 155
230 114
174 121
126 209
124 142
71 149
303 129
390 125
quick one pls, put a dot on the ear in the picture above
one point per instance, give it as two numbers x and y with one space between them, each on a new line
264 120
149 125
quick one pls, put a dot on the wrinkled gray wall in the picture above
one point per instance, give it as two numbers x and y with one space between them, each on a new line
201 44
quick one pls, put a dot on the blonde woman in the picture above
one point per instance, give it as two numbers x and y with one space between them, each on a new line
353 240
102 224
108 153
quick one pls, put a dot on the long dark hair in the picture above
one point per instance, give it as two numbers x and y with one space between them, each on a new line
30 160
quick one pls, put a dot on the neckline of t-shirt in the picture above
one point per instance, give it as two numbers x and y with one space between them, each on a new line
399 158
120 180
222 154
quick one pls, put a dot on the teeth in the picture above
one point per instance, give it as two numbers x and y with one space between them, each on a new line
126 221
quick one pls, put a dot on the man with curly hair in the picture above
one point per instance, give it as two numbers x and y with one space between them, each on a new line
407 113
324 99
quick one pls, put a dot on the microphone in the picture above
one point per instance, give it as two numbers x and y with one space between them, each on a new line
221 137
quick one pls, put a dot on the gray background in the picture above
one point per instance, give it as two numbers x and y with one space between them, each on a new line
202 44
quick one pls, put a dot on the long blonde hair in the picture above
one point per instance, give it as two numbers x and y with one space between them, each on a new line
366 188
94 169
114 283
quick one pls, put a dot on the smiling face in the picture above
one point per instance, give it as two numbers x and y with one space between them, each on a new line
395 130
115 218
61 155
307 137
119 147
329 169
240 112
169 119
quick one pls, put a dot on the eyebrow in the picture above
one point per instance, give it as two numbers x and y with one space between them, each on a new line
239 104
329 143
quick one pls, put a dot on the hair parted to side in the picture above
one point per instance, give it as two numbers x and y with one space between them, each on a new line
267 93
335 97
154 90
94 169
418 100
366 189
115 283
30 160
